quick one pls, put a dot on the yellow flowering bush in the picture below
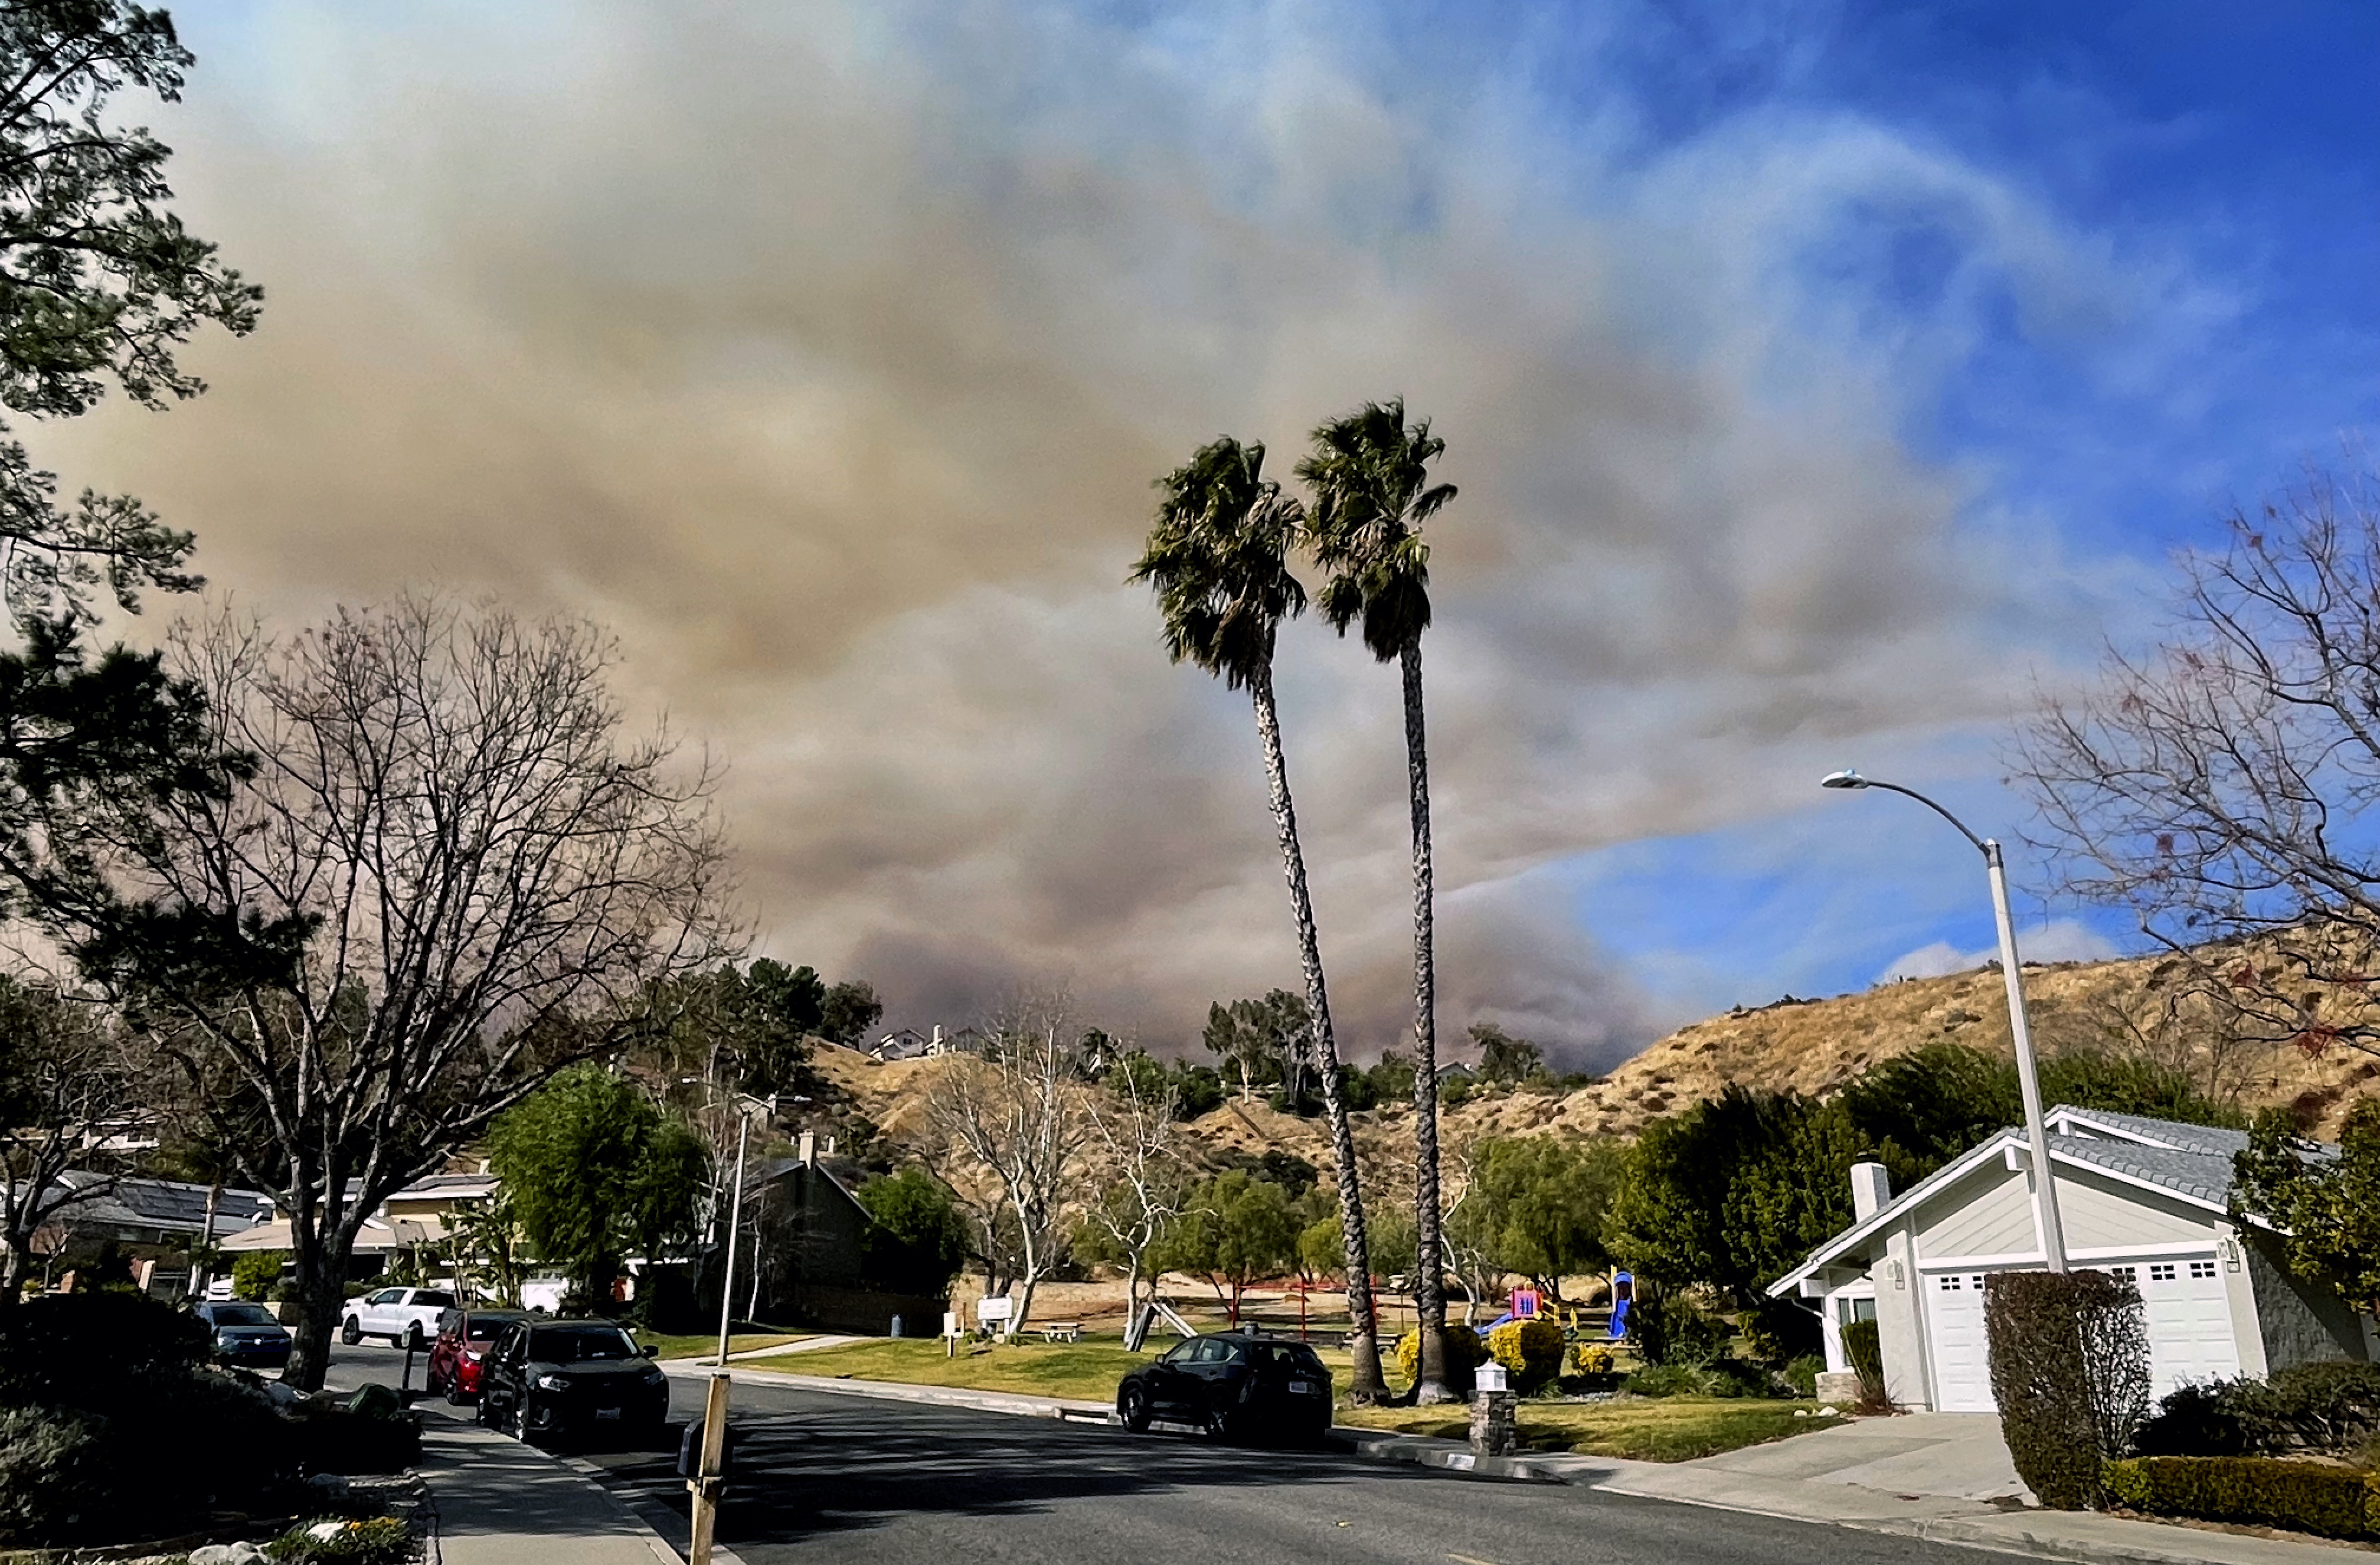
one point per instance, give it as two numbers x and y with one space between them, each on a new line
1463 1353
1531 1350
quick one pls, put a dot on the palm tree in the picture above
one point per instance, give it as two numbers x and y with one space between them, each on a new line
1369 473
1218 560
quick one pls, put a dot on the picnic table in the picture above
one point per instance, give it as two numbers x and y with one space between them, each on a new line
1061 1331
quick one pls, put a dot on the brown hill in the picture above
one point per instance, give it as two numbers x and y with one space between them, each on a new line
1811 1046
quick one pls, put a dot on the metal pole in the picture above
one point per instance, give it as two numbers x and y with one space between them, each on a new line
735 1224
2045 1185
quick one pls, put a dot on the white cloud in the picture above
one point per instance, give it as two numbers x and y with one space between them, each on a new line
2062 939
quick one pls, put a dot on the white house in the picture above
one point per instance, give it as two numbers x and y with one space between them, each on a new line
2139 1196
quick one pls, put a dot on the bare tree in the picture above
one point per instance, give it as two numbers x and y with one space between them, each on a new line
2216 785
1009 1130
438 876
1132 1122
65 1083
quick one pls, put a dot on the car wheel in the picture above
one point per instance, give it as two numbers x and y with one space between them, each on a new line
1222 1424
1132 1409
454 1397
351 1331
411 1342
486 1415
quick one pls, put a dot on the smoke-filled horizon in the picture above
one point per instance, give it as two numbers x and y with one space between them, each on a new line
828 355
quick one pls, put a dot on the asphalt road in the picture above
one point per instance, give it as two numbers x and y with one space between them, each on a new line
824 1477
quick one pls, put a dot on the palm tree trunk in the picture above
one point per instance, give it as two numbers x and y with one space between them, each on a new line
1429 1273
1365 1384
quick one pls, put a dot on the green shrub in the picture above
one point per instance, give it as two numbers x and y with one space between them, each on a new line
2069 1372
2332 1407
1669 1329
1464 1353
94 1351
379 1540
1863 1350
1530 1350
54 1482
2336 1502
1801 1374
255 1273
1668 1380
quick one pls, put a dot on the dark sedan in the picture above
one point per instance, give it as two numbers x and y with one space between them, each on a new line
246 1336
1235 1385
554 1380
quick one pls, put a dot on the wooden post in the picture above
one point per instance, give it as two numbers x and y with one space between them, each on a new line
705 1486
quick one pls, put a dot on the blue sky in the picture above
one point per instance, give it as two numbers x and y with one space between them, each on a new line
2221 155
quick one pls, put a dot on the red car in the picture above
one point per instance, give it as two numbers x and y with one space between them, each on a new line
463 1338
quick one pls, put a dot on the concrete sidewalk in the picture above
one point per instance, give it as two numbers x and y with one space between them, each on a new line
807 1346
499 1502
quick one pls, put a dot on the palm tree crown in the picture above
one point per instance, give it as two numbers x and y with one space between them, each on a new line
1219 559
1370 476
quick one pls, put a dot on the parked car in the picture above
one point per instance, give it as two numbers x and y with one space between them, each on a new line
407 1316
246 1335
1235 1385
464 1339
548 1381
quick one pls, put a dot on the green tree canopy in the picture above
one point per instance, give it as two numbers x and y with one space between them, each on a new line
596 1172
1535 1205
1506 1059
919 1241
100 284
1235 1230
2326 1208
848 1011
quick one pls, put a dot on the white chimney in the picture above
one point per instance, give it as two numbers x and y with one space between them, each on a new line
807 1153
1871 1188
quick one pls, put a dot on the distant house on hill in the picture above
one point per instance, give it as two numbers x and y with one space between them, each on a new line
906 1044
967 1041
1456 1071
2146 1198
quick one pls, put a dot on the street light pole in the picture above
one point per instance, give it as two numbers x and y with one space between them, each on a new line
2045 1187
735 1225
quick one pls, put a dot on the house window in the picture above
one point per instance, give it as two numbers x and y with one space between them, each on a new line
2161 1272
1849 1310
2202 1268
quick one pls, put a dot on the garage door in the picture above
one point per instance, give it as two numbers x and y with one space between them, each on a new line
2189 1326
2189 1320
1954 1328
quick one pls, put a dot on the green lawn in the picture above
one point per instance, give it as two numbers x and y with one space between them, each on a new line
1085 1371
707 1343
1637 1428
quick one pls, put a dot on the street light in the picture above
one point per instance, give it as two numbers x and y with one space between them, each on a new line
2045 1189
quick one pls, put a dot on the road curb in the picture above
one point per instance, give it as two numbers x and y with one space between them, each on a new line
1417 1450
648 1518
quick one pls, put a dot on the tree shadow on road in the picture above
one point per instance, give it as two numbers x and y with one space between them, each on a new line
858 1466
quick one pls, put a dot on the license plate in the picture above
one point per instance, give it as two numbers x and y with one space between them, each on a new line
1301 1387
607 1413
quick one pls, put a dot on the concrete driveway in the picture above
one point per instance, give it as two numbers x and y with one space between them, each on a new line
1956 1455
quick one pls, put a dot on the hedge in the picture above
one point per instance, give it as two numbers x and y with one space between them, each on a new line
2337 1502
2330 1406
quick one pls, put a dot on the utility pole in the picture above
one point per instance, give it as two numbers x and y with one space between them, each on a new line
734 1226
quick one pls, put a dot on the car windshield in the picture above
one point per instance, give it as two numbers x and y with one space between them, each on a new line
576 1344
242 1314
483 1326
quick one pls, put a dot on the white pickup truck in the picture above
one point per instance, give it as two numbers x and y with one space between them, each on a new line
407 1316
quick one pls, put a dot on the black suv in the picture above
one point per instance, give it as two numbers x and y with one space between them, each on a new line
1235 1385
546 1380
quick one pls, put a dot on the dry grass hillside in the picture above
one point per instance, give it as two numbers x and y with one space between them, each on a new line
1809 1045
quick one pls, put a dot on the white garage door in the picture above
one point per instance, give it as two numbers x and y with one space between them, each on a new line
2190 1320
2189 1325
1954 1328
